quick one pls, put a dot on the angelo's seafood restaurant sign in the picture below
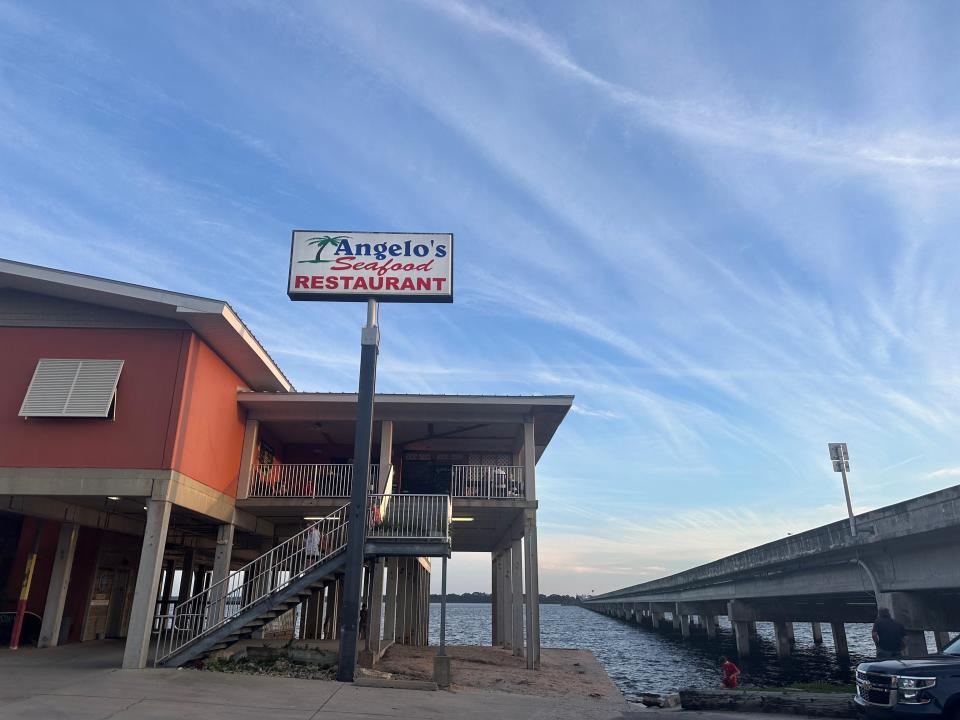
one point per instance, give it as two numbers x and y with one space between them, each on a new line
398 267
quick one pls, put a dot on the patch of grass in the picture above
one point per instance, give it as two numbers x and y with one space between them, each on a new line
279 667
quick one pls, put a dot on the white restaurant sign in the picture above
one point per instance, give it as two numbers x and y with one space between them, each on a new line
397 267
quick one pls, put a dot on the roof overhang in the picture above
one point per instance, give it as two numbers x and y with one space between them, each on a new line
451 411
213 320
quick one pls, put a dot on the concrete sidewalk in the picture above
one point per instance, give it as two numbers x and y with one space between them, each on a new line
82 682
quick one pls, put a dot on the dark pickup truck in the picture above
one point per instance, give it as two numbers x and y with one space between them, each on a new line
911 688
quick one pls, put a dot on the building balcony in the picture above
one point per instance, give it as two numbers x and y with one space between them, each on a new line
304 480
491 482
310 481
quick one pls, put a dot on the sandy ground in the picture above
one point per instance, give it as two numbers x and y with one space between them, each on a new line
563 673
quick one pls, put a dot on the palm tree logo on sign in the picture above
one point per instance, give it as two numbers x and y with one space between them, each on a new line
322 242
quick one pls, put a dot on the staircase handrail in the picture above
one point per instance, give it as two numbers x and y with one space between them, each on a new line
213 607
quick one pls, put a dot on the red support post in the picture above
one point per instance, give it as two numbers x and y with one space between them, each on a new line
25 587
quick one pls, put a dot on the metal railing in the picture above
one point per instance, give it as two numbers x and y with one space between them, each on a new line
305 481
487 481
222 601
409 517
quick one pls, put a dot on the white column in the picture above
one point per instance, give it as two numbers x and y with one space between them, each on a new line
386 452
248 457
375 609
516 609
59 583
530 547
506 601
390 611
148 582
494 601
532 590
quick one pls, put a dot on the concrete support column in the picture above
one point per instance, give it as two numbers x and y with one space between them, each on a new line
148 581
390 609
494 600
684 621
675 619
507 597
167 591
386 453
402 601
656 619
817 632
915 644
312 612
516 596
840 640
532 589
59 583
741 630
331 620
791 636
186 575
221 569
375 609
942 638
248 458
782 635
710 626
914 612
410 607
752 628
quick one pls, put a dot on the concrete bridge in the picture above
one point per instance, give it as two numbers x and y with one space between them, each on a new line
905 557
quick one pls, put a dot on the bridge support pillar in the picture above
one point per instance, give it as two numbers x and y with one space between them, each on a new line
710 625
741 615
790 633
915 643
685 626
656 618
817 632
840 641
782 634
741 630
676 619
943 639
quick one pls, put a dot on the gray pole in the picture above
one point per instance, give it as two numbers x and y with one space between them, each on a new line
846 492
357 528
443 609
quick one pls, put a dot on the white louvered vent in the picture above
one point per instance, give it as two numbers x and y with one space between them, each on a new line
72 388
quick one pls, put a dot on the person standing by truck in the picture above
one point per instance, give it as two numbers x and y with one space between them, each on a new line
888 636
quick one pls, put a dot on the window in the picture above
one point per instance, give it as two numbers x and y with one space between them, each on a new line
72 388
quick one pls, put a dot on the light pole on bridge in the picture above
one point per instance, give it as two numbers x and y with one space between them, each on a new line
841 464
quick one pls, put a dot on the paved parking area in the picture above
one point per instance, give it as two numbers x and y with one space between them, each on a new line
82 682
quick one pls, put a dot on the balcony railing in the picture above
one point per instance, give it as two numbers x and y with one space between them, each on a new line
487 481
305 481
409 517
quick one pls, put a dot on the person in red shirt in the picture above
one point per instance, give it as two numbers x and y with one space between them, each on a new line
730 672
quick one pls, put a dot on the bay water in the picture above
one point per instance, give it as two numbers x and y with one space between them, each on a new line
640 660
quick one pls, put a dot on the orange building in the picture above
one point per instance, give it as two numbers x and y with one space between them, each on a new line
177 491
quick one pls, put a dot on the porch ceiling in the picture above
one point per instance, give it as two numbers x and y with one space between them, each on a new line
445 423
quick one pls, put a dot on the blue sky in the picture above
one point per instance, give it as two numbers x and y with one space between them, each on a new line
729 229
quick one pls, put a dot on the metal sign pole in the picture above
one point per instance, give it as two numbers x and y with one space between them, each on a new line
357 527
846 491
841 463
